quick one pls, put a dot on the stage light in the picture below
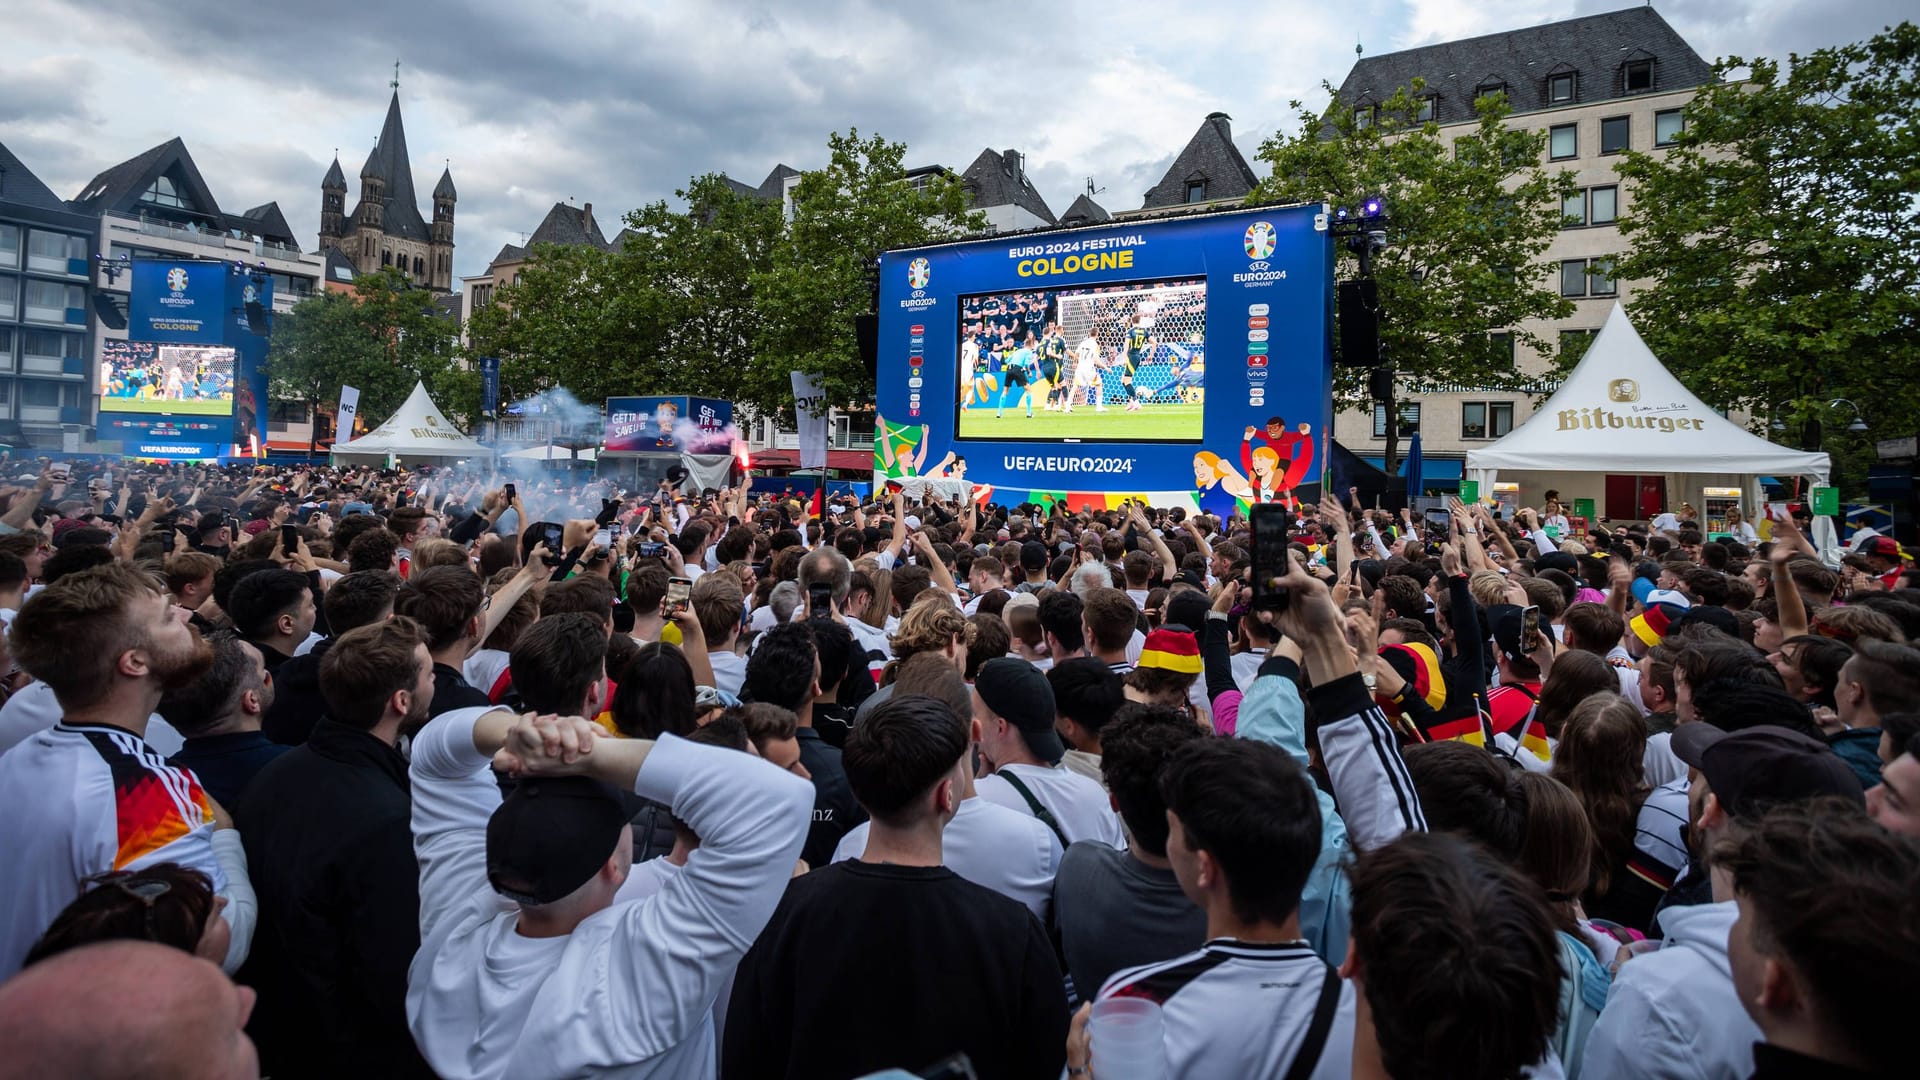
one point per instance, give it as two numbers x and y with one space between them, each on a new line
1373 207
1341 214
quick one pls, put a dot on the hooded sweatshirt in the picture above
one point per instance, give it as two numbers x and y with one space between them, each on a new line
1674 1013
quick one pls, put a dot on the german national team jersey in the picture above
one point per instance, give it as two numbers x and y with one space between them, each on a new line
82 800
1244 1009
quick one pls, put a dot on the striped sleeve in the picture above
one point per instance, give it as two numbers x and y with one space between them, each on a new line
1370 781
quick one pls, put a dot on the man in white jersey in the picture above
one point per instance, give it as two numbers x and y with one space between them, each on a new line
1014 704
1086 373
529 966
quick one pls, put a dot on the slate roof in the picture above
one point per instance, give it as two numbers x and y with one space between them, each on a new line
1595 47
390 162
339 268
509 253
1085 211
20 187
444 189
739 188
265 221
998 178
770 188
335 180
1211 156
570 226
119 188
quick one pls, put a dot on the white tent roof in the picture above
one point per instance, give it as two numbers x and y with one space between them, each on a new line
544 452
1622 411
417 429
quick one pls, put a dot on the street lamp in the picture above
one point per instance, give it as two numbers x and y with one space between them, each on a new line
1859 424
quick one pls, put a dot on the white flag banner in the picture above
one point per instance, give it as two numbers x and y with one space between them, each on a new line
343 416
809 402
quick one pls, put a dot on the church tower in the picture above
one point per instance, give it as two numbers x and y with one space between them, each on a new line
442 230
333 206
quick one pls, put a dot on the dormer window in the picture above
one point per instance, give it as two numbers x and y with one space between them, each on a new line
1363 116
1196 191
163 193
1428 107
1489 88
1560 88
1638 76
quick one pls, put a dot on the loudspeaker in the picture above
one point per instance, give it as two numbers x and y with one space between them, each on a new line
1359 316
866 334
1380 384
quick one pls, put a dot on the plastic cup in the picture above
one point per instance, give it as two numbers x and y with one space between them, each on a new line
1129 1041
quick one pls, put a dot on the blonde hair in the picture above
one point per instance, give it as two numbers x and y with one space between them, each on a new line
439 551
1489 587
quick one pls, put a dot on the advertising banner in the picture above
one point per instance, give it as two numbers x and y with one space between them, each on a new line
178 301
810 415
489 385
343 417
1179 361
666 423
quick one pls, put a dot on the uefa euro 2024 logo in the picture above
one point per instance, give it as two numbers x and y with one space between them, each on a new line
1259 240
919 273
177 279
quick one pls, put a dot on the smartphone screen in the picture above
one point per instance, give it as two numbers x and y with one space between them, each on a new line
1530 628
511 494
1271 558
679 591
820 601
289 538
551 535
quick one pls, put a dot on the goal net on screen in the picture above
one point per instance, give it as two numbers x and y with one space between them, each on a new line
1173 319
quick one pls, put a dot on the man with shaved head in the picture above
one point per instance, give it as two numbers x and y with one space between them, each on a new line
125 1008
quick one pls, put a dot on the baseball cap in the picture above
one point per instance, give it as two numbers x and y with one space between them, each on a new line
1033 555
550 836
1557 560
1652 624
1884 546
1642 588
1717 617
1020 693
1759 767
1668 596
1507 621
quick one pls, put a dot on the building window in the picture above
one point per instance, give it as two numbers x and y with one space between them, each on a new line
1429 107
9 298
1600 277
51 347
1573 277
1363 117
1573 344
1603 205
419 266
6 350
1560 88
1500 350
1639 76
40 394
49 301
1488 89
49 252
1563 142
386 257
1409 419
1666 129
1473 420
1614 133
9 247
1196 191
162 193
1573 210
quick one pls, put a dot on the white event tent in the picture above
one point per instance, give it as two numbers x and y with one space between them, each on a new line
1622 412
417 431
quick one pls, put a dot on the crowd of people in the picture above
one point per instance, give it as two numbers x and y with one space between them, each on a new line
358 772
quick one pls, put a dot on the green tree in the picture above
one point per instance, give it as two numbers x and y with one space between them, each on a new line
844 216
1778 238
1469 221
567 320
380 338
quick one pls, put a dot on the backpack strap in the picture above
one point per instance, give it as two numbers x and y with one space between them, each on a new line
1315 1044
1045 815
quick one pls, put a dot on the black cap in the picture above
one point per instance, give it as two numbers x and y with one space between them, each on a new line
1033 555
1020 693
550 836
1507 621
1717 617
1557 560
1760 767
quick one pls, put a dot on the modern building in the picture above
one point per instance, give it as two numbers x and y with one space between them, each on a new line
385 227
46 314
157 205
1209 173
1597 86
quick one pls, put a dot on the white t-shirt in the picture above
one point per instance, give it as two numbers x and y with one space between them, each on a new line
1246 668
1668 522
729 671
1139 598
1077 803
650 878
484 668
986 843
871 638
631 991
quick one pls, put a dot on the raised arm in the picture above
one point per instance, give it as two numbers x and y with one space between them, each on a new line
1336 519
1169 567
935 568
1792 613
531 574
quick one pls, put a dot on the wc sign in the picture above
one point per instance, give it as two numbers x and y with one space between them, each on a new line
810 409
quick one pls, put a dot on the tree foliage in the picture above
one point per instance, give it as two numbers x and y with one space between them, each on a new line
844 216
1779 237
1470 218
381 338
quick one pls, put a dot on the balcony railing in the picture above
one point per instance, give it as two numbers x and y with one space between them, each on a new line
188 234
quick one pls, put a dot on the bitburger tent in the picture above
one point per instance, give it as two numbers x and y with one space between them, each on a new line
1622 412
417 431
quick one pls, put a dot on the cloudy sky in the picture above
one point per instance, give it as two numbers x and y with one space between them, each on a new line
618 102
